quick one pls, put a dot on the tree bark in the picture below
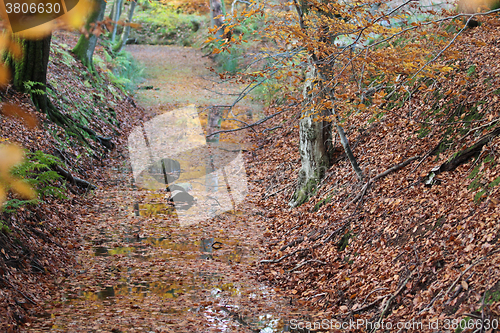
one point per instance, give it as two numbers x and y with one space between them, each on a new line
315 145
116 18
217 16
84 49
30 72
126 30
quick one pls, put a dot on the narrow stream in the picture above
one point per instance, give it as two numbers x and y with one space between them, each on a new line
143 268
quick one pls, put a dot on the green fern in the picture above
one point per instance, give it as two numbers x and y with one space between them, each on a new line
29 87
38 173
11 206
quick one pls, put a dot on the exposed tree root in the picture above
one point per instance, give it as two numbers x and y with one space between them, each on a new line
465 155
74 128
72 179
392 297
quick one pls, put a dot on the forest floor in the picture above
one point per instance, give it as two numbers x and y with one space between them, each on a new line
139 269
412 243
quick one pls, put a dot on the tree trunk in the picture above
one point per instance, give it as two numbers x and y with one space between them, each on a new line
116 18
126 31
30 72
112 13
315 146
217 16
348 151
84 49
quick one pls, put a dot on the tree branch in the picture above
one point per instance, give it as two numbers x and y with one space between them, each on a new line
248 126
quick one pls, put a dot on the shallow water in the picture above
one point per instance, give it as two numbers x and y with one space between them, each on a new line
141 270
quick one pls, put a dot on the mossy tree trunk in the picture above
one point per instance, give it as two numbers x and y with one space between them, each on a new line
29 73
84 49
315 145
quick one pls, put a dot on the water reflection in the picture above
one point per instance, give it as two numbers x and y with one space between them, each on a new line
226 250
169 288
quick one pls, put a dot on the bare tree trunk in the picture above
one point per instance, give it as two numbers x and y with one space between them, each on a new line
126 30
217 16
316 137
315 145
116 18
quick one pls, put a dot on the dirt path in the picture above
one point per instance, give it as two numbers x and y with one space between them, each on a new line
141 269
180 76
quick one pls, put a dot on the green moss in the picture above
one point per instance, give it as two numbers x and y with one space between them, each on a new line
4 228
475 184
492 297
471 70
488 159
306 191
344 241
478 196
322 202
423 131
495 182
473 173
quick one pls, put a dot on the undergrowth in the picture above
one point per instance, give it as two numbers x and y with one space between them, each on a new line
165 24
37 171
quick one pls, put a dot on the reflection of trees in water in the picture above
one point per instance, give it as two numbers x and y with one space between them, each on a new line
169 289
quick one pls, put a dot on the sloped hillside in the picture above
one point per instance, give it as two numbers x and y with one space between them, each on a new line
38 240
418 240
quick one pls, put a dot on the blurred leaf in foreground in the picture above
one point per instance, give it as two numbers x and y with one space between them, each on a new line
10 156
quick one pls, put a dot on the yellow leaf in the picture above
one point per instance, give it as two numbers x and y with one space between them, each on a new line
10 155
2 195
4 41
23 189
77 16
4 75
14 111
15 49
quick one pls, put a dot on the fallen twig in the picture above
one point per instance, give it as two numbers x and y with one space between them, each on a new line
305 263
19 291
282 258
272 128
467 269
381 175
370 305
393 296
276 192
465 155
